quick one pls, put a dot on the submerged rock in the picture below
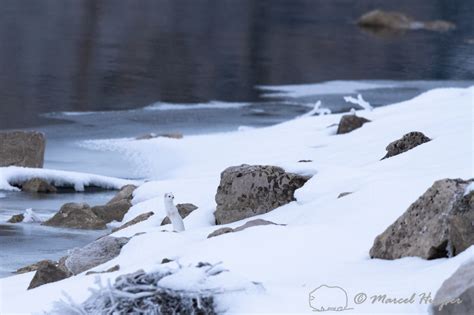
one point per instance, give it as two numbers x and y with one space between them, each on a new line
22 148
437 225
248 190
184 210
47 272
456 294
76 216
349 123
94 254
392 20
151 135
38 185
407 142
16 218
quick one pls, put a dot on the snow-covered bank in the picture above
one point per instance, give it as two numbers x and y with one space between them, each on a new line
10 176
326 241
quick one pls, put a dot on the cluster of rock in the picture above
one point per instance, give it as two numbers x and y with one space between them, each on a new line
379 20
83 216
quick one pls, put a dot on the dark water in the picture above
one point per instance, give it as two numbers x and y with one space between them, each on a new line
67 55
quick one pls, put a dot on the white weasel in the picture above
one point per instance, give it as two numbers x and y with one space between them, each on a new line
173 214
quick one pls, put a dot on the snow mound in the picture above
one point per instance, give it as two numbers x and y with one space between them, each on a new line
13 175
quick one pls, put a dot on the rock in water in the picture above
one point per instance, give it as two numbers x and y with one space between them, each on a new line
378 19
22 148
94 254
137 219
383 19
125 193
349 123
47 272
16 218
38 185
112 211
456 295
438 224
407 142
76 216
184 210
248 190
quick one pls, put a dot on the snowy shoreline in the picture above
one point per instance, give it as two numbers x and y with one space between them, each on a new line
325 241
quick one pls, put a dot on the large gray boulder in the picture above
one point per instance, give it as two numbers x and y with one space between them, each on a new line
438 224
94 254
184 209
349 123
248 190
112 211
22 148
38 185
456 295
405 143
76 216
47 272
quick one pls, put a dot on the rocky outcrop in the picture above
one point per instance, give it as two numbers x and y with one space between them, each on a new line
397 21
125 193
76 216
249 224
137 219
94 254
38 185
438 224
349 123
22 148
248 190
184 210
456 295
112 211
47 272
407 142
16 218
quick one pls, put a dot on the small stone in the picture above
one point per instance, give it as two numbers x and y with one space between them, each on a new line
184 209
112 269
343 194
349 123
137 219
407 142
16 218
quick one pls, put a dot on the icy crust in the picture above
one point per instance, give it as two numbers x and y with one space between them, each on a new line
12 175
